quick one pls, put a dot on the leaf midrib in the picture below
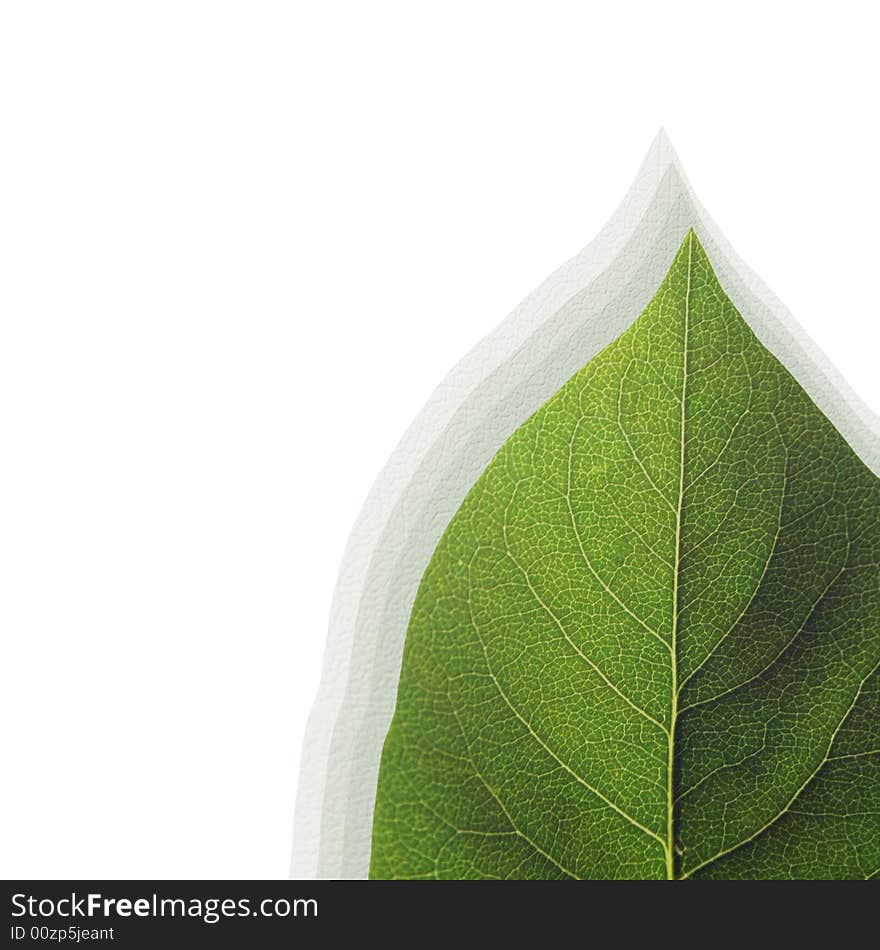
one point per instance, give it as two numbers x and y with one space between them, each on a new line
673 714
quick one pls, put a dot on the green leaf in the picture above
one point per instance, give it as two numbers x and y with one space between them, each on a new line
647 644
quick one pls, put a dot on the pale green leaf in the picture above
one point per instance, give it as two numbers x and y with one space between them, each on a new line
647 644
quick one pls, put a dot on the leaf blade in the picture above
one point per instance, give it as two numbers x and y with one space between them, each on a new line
588 589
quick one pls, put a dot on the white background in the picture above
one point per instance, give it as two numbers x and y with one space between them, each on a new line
240 243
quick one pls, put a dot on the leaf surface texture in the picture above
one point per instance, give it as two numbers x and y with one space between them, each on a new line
647 644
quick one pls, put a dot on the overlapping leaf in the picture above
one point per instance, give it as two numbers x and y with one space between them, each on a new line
647 645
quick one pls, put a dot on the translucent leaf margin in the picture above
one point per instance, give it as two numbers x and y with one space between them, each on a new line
584 305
